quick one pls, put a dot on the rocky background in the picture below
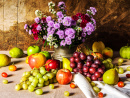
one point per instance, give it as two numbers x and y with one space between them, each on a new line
113 21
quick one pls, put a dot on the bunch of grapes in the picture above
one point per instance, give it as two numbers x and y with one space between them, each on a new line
87 65
36 78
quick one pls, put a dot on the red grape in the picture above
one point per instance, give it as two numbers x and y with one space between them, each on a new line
79 65
83 56
90 57
100 79
72 59
77 60
85 73
88 75
94 78
100 70
97 74
76 54
97 61
94 65
80 71
92 70
128 75
72 65
103 67
85 69
75 70
89 63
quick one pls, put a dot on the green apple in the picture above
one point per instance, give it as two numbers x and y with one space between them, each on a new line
4 60
16 52
47 54
33 49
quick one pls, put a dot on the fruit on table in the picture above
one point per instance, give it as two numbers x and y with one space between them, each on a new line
125 52
97 55
107 52
33 49
16 52
72 85
120 84
52 64
100 95
39 91
12 68
66 93
66 64
128 68
64 76
17 87
121 70
47 54
5 81
51 86
36 60
128 75
98 46
96 89
4 60
4 74
111 76
27 59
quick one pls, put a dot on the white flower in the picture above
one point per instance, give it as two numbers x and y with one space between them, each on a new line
53 4
37 12
49 10
52 10
50 3
53 43
55 46
79 20
79 29
49 39
50 7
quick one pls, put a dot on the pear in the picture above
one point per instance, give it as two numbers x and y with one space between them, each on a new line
4 60
66 64
111 77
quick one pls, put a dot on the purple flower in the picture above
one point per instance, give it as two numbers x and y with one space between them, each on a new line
61 4
70 32
39 28
26 30
30 32
48 29
68 40
60 20
44 37
62 43
56 25
50 24
89 27
61 36
25 26
67 21
83 40
37 20
48 18
93 10
84 34
94 21
60 14
73 23
89 33
60 32
50 33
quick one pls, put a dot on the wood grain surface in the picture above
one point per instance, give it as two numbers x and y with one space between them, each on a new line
113 21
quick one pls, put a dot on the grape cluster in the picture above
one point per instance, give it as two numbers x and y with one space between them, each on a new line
87 65
36 78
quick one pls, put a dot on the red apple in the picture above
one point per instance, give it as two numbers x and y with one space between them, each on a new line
64 76
107 52
52 64
36 60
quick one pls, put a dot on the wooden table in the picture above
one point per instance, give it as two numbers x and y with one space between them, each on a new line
8 90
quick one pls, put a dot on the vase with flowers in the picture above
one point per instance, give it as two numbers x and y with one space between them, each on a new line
62 32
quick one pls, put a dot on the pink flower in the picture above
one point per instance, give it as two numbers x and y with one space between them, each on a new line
35 36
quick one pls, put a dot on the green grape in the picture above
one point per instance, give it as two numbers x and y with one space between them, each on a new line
92 84
88 78
35 73
31 88
45 77
28 82
40 84
50 81
28 73
54 71
42 71
46 83
50 75
39 92
32 71
39 75
120 60
24 78
24 74
128 68
54 80
121 70
18 87
31 78
96 89
66 93
36 70
51 86
35 80
111 65
25 86
41 80
34 84
5 81
109 60
119 63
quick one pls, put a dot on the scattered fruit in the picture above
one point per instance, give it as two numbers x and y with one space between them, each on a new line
125 52
96 89
16 52
36 60
51 86
31 88
39 92
111 76
120 60
5 81
4 60
120 84
121 70
100 95
4 74
72 85
66 93
33 49
12 68
128 68
64 76
17 87
107 52
128 75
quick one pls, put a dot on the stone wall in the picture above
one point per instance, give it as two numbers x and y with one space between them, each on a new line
113 21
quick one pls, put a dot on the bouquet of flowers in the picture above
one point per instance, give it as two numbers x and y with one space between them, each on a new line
63 30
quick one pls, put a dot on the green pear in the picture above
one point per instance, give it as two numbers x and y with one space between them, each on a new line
4 60
16 52
111 77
